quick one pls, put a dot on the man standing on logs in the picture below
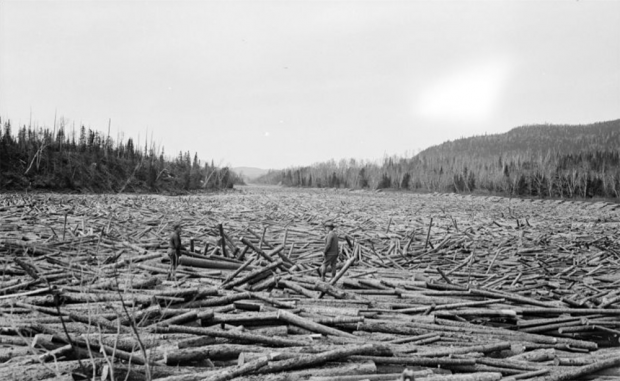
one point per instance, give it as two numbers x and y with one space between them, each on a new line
174 250
331 251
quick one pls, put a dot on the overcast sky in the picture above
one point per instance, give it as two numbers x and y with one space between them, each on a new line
273 84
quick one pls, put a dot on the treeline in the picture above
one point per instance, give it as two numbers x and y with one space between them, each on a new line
89 161
542 161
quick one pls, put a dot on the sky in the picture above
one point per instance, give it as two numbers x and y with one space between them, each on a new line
276 84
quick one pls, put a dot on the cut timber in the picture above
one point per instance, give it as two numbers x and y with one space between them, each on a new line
335 292
240 370
312 326
477 348
213 352
208 264
254 274
330 369
577 372
316 359
39 371
235 335
298 289
415 360
539 275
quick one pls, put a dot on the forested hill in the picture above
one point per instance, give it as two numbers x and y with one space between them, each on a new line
541 160
60 159
534 139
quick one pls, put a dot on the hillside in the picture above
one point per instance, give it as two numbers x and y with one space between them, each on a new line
534 139
54 159
538 160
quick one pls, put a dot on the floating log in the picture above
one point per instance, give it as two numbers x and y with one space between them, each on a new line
254 274
316 359
243 336
429 291
310 325
207 263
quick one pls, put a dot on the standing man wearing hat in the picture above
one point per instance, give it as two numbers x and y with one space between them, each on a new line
330 252
174 250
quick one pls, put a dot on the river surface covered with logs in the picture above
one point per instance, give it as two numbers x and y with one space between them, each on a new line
429 286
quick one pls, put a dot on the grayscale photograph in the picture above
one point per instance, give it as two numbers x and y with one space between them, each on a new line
309 190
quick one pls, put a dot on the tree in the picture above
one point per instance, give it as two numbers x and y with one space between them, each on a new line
334 182
385 182
91 139
130 148
362 179
404 184
7 137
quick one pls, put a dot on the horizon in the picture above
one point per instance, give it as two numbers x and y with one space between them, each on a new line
274 85
406 155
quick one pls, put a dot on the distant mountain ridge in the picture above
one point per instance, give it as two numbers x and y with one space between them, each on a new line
564 161
250 173
533 140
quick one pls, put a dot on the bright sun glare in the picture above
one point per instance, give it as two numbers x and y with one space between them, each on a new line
469 95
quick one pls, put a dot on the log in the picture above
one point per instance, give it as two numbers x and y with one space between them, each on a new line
572 311
475 313
256 249
331 370
222 240
190 376
373 376
340 273
415 360
207 263
88 319
237 272
538 355
513 297
209 351
196 342
227 299
481 376
316 359
254 274
129 343
312 326
132 372
446 306
39 371
179 319
527 375
335 292
272 301
240 370
574 373
246 318
243 336
508 363
558 282
476 348
297 288
7 354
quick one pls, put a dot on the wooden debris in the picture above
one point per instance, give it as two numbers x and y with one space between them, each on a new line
457 288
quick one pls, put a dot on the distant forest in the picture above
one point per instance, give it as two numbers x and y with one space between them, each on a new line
539 160
89 161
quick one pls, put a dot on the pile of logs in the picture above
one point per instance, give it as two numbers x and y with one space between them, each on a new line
432 287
